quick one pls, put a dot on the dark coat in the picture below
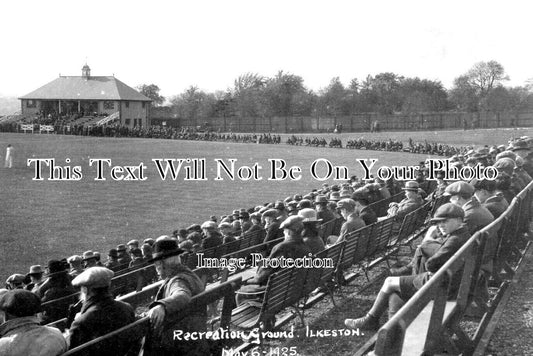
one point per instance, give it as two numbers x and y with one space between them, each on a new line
496 205
433 254
353 223
214 239
100 315
368 215
476 216
175 294
273 232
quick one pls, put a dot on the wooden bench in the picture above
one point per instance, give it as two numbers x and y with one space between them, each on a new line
284 289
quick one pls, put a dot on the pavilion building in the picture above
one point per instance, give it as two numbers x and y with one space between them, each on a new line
88 96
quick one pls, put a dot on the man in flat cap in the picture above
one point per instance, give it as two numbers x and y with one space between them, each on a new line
212 236
179 286
75 263
100 313
15 281
272 226
476 216
430 256
20 331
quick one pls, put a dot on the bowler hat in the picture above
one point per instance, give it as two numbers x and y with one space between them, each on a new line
448 211
20 303
55 267
95 277
165 248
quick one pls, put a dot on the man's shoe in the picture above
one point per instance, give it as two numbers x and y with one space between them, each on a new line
368 322
401 271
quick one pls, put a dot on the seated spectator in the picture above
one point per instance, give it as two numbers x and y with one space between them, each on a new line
485 192
100 313
272 226
432 254
151 241
20 331
124 258
411 202
212 236
292 246
75 263
255 218
476 216
131 245
137 258
98 257
147 252
36 277
246 224
89 259
112 260
15 281
353 221
321 206
179 286
57 285
363 209
310 232
227 232
196 239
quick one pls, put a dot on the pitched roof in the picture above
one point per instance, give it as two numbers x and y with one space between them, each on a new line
80 88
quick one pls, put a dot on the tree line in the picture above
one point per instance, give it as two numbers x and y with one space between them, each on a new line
285 95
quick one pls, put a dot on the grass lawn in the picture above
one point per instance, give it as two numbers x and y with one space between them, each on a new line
41 220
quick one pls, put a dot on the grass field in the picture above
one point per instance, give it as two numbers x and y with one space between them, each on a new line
41 220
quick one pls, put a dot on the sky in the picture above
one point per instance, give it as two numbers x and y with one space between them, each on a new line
209 43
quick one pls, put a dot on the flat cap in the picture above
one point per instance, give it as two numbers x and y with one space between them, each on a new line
20 303
308 215
505 164
448 211
74 259
16 278
348 204
304 203
210 225
95 277
271 212
459 187
133 242
294 223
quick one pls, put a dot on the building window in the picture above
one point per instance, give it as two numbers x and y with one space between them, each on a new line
127 122
109 105
144 104
127 103
31 103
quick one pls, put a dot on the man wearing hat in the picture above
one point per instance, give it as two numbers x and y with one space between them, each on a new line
272 226
15 281
411 202
310 233
179 286
363 209
321 207
75 263
430 256
89 259
246 224
226 230
212 236
132 244
352 220
112 260
20 331
100 313
485 192
256 228
292 246
124 258
476 216
36 277
57 285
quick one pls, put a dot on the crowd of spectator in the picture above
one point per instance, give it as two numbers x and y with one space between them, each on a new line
472 206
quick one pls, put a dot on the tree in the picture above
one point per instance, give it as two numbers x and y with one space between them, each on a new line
422 95
471 90
152 91
284 93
